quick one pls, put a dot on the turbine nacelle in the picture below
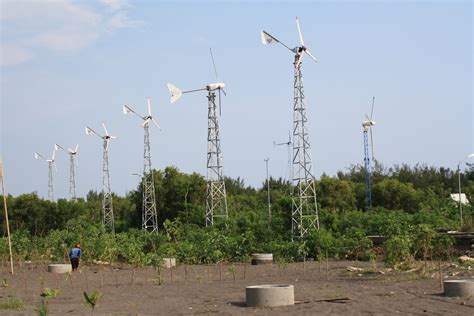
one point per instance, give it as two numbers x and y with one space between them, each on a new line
366 124
215 86
299 51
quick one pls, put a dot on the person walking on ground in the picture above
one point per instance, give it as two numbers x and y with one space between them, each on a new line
74 256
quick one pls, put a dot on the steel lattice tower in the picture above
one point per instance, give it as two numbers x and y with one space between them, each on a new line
50 181
368 171
72 178
216 201
107 205
304 215
149 214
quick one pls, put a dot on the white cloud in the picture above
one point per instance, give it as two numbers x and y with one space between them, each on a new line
115 5
13 55
66 39
57 25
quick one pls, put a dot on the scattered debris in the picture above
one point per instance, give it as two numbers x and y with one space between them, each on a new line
465 258
354 269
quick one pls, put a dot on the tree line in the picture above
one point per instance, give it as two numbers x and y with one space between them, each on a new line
407 201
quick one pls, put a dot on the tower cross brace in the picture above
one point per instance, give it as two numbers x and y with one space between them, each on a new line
216 201
304 214
368 172
72 177
149 213
107 205
50 181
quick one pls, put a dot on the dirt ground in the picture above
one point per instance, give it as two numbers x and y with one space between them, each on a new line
211 290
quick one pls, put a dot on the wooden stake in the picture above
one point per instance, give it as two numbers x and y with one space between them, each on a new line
101 278
6 216
171 275
440 276
210 274
87 280
327 266
24 279
220 271
304 265
245 269
185 274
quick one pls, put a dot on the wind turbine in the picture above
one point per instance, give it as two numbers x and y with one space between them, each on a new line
51 163
288 146
304 213
72 174
216 200
149 213
367 125
107 205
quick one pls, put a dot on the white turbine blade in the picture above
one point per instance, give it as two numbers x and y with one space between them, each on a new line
54 153
299 31
299 59
270 39
372 111
91 131
126 109
38 156
367 117
470 156
105 129
149 105
175 92
112 137
311 56
145 122
214 64
76 149
156 123
223 91
57 147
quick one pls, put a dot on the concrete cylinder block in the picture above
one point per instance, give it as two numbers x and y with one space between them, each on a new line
59 268
270 295
262 258
168 263
460 288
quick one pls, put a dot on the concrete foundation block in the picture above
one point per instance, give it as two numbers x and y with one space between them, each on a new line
459 288
168 263
270 295
59 268
262 258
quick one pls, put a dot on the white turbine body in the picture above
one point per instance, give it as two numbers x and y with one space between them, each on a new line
107 203
149 212
216 199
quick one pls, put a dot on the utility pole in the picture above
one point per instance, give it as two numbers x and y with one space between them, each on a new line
6 216
268 193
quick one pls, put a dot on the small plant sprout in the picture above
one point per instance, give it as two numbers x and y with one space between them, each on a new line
42 309
232 269
49 293
5 282
91 299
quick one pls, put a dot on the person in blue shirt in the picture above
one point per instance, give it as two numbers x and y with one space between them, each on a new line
74 256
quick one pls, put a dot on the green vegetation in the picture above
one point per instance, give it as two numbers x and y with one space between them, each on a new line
91 299
12 303
411 205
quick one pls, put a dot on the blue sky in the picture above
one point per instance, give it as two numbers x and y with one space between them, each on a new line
68 64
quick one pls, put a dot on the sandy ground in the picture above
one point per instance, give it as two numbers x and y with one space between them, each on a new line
210 290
